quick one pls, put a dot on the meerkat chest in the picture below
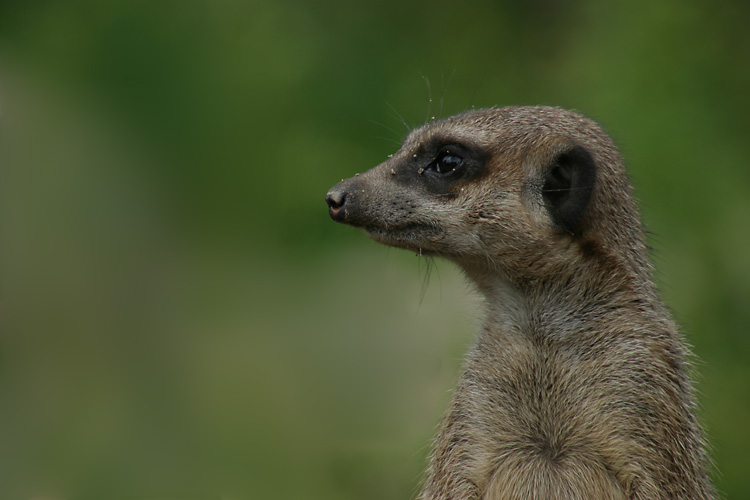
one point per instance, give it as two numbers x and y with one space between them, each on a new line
542 428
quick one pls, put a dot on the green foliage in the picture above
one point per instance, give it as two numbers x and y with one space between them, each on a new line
181 317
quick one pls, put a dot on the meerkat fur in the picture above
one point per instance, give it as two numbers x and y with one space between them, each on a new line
577 386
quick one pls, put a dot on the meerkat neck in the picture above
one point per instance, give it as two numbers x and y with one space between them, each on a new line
564 301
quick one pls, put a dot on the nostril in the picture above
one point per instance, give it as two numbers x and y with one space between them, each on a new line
336 198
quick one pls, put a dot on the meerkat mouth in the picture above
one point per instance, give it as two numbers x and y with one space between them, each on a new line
416 237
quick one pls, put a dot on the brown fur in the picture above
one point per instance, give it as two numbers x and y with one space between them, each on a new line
577 386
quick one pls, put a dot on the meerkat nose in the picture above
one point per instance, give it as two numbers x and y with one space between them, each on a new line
336 198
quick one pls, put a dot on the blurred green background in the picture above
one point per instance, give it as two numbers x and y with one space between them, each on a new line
181 319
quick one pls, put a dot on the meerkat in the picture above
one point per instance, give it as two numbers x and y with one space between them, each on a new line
577 386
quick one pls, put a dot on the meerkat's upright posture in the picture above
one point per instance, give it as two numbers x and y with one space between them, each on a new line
577 386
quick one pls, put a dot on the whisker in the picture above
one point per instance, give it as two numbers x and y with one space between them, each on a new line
429 96
445 90
398 115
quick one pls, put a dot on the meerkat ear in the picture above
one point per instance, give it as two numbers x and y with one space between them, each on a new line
567 188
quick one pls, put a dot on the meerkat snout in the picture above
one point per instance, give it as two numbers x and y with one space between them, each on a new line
577 386
350 201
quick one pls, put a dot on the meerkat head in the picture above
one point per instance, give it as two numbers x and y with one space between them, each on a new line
512 187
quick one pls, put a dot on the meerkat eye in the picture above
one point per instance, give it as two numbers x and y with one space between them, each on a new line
446 162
